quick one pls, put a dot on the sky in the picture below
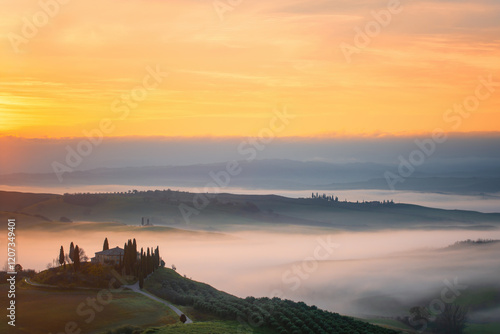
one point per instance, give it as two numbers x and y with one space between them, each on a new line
208 69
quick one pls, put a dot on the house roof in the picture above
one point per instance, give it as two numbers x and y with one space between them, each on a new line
113 251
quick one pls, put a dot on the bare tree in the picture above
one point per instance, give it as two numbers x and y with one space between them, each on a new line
83 256
452 320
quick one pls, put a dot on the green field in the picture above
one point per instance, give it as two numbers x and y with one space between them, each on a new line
482 328
209 327
49 310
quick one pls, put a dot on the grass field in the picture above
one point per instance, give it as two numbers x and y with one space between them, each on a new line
210 327
49 311
482 328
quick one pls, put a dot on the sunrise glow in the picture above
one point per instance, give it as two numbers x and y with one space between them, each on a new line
228 71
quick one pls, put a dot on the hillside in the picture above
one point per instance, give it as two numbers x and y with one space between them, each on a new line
213 311
90 275
275 315
16 201
48 310
228 211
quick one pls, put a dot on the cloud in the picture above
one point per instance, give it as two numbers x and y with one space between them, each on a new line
262 54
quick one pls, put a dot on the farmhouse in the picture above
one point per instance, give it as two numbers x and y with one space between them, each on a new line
109 256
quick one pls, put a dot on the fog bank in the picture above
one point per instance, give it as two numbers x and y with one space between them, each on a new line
351 273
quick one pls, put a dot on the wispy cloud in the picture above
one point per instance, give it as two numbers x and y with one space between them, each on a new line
264 53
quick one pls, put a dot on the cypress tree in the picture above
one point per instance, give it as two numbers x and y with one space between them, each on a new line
151 262
148 262
130 246
71 251
157 258
105 246
61 257
143 262
134 247
126 259
76 258
141 280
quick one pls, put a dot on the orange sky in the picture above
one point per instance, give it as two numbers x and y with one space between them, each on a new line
226 76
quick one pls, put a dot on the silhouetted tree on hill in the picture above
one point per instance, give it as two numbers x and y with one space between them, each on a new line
61 257
105 246
141 280
76 258
71 251
452 320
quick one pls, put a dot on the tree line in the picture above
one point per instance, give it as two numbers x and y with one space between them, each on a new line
139 264
76 255
335 199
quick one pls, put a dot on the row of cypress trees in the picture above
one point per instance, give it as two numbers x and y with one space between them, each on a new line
74 256
139 264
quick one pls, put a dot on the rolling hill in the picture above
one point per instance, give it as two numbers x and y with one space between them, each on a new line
212 212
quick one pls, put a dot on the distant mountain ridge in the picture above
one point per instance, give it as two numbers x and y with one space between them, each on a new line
277 174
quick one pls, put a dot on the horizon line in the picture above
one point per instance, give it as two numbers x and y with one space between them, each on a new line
374 135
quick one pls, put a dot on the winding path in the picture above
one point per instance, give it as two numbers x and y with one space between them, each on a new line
135 288
27 280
